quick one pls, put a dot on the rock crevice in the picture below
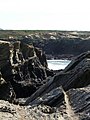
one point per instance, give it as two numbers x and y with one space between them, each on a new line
23 67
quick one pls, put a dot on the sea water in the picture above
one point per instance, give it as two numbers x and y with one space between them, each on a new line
57 64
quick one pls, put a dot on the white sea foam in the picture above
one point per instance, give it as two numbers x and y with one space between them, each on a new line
57 64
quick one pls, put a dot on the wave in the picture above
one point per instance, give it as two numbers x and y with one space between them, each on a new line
57 64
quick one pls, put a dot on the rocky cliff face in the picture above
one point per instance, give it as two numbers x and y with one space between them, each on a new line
60 44
23 70
26 80
55 44
68 90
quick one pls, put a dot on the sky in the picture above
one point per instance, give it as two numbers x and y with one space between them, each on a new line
45 14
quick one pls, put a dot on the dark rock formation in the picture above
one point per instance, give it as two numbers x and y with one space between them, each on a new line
75 75
60 44
56 44
80 101
6 90
23 67
68 86
24 73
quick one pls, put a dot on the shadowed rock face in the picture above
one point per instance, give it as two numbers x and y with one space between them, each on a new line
80 101
6 90
60 44
23 68
75 75
69 87
24 73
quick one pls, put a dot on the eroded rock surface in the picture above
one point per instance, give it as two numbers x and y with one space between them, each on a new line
23 69
15 112
73 80
26 80
80 101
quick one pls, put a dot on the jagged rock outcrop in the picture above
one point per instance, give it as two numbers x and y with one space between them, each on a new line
60 44
6 90
23 68
56 44
75 75
80 102
68 88
24 73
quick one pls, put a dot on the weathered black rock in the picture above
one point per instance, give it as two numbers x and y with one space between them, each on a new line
75 75
6 90
60 44
24 73
80 101
23 67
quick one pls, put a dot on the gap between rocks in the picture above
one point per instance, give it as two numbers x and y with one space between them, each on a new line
69 109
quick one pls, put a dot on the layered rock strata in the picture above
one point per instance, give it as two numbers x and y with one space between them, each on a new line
69 89
23 69
26 79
